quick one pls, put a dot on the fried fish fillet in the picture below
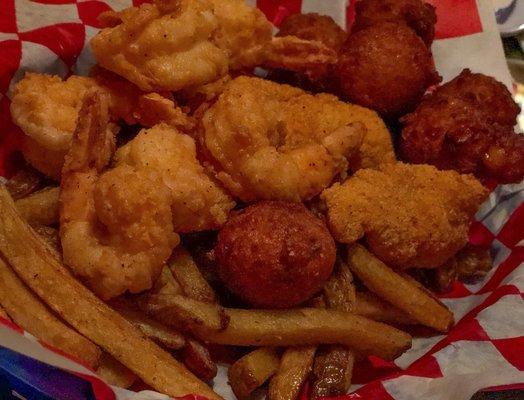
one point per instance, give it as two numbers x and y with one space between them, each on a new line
410 215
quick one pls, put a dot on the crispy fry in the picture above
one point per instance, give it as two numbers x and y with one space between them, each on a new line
48 278
40 208
332 371
31 314
177 310
293 327
3 313
398 290
293 371
370 306
334 363
198 359
24 182
114 372
339 292
186 272
251 371
50 236
152 329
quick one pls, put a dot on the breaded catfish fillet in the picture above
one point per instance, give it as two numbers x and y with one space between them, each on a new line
410 215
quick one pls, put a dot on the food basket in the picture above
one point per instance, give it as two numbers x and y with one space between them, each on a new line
486 347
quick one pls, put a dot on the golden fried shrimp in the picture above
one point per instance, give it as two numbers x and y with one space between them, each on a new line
412 216
115 227
197 202
46 109
179 44
271 141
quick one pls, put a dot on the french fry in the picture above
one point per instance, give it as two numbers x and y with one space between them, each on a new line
198 359
295 327
3 314
24 182
51 237
332 371
177 310
31 314
153 329
79 307
339 291
398 290
334 363
251 371
293 371
114 372
186 272
40 208
370 306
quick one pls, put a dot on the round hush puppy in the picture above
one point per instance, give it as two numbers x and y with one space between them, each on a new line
275 254
385 67
419 16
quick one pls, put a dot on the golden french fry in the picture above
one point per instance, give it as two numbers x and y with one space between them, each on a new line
334 363
293 371
370 306
31 314
398 290
339 291
332 371
80 308
51 236
40 208
198 359
295 327
24 182
3 313
177 310
186 272
114 372
251 371
153 329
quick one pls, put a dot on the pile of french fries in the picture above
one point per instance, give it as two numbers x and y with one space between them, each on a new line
161 337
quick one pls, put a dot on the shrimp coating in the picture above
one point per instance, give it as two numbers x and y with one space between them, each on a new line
412 216
385 67
179 44
269 141
467 125
197 202
311 26
418 15
46 109
116 227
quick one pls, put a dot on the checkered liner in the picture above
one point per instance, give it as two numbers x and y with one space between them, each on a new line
486 347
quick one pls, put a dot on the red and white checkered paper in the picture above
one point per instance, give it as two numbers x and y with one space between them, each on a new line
486 347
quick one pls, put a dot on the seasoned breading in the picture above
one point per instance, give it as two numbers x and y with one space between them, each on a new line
270 141
197 202
410 215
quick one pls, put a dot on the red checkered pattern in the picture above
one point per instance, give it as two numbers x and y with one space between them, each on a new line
485 348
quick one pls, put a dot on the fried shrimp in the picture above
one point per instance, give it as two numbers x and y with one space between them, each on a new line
46 109
179 44
197 202
269 141
115 227
412 216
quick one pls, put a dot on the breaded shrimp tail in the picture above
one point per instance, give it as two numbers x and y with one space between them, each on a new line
119 243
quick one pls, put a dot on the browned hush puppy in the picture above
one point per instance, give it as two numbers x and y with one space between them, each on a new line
385 67
467 125
418 15
275 254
